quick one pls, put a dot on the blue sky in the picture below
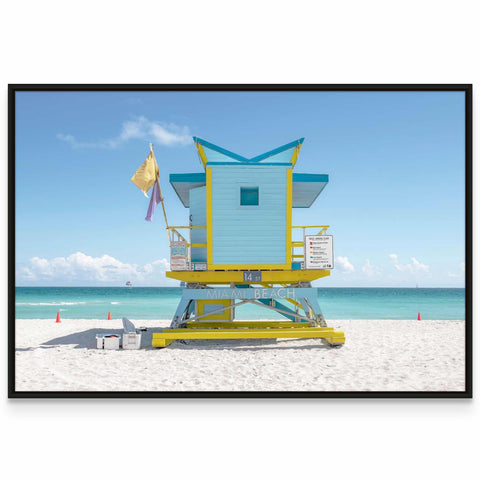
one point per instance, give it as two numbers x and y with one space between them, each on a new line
395 200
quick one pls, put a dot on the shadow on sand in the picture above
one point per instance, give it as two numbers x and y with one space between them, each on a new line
251 344
29 349
87 339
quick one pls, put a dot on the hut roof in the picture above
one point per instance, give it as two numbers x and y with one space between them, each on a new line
213 154
306 186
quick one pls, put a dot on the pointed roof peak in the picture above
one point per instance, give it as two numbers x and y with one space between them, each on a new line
200 143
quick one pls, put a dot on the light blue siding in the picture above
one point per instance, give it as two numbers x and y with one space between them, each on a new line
213 156
249 234
198 217
283 156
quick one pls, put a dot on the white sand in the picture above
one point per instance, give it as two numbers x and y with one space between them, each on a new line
379 355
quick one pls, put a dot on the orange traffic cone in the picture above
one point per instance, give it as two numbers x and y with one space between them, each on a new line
419 317
109 316
58 318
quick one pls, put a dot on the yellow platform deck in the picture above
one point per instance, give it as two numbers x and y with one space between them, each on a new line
248 324
241 330
233 276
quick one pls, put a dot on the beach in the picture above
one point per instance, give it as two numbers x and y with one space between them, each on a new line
378 355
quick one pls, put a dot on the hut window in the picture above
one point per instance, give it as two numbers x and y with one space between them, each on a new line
249 196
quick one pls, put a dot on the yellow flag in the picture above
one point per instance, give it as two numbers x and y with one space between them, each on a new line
146 175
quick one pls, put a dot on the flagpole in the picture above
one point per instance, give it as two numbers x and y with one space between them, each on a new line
164 212
161 197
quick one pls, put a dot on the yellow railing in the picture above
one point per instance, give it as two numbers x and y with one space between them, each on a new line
294 244
181 238
301 244
321 232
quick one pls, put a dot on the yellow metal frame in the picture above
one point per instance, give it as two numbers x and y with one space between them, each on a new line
293 302
289 218
229 276
161 342
248 324
201 152
312 226
290 243
208 176
258 266
225 315
295 155
170 334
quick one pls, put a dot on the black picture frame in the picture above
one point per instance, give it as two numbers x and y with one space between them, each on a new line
466 88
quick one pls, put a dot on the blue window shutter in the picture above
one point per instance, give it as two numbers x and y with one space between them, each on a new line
248 196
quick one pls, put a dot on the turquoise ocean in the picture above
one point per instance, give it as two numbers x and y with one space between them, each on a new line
160 303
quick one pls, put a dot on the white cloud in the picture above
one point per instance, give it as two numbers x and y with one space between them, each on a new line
162 262
419 266
415 267
148 268
345 265
26 274
462 266
167 134
370 270
170 134
79 268
76 144
394 257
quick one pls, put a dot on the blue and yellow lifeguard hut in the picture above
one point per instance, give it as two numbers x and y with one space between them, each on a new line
239 248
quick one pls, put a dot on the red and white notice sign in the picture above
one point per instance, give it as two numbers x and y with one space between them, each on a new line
319 252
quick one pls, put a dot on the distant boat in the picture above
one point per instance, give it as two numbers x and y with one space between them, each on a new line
129 284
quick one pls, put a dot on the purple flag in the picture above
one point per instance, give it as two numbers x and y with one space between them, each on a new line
154 201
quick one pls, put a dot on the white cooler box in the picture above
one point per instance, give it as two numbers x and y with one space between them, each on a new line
108 341
131 341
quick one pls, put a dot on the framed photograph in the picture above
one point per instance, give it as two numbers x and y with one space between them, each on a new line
240 241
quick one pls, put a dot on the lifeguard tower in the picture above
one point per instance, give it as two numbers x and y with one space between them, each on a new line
238 248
